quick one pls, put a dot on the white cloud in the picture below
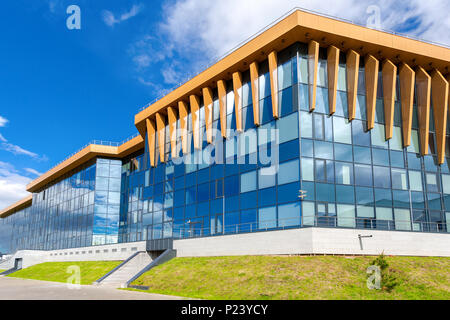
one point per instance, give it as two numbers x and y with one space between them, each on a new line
33 171
214 27
17 150
110 20
3 121
12 185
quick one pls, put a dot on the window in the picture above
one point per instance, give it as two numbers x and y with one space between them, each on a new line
289 214
415 180
248 181
306 124
346 215
342 130
381 177
288 172
399 180
363 175
361 136
414 146
266 177
396 142
344 173
446 184
308 212
288 128
267 217
307 169
378 137
402 219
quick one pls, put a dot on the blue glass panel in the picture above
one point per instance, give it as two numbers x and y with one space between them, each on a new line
363 175
191 195
248 200
434 201
267 217
417 200
380 157
345 194
217 206
248 220
158 188
289 150
203 209
322 105
203 192
288 192
203 176
191 179
325 192
307 148
381 177
231 203
343 152
285 102
360 134
190 211
179 183
303 94
401 199
289 214
266 110
178 213
413 161
217 171
341 104
267 197
231 222
383 197
397 159
323 150
362 155
364 196
231 185
308 187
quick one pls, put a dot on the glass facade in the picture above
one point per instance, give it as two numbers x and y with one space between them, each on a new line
350 177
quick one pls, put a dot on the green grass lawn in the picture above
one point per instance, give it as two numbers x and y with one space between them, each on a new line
1 270
58 271
296 277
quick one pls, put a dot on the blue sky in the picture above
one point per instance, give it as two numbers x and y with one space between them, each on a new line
61 88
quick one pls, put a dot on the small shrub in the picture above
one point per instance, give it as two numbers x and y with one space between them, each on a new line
389 279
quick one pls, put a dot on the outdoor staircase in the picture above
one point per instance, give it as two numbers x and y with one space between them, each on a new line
119 276
132 268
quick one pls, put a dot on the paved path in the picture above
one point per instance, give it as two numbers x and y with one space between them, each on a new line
24 289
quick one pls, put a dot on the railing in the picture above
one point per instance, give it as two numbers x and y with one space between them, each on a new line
98 143
190 231
217 59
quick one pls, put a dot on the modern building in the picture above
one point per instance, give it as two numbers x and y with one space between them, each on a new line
315 130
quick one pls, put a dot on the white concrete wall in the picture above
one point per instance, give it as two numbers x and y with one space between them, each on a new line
317 241
120 251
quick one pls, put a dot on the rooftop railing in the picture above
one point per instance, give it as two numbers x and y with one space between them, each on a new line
98 143
214 60
190 230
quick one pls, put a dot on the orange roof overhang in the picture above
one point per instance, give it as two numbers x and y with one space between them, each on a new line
303 26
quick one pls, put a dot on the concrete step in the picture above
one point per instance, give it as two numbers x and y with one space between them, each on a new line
132 267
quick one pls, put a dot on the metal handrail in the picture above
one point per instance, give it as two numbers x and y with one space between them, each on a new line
98 143
181 232
214 60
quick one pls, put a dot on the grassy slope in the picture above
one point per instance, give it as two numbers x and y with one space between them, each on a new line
1 270
296 277
57 271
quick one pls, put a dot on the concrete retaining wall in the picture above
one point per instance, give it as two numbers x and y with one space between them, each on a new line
109 252
317 241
